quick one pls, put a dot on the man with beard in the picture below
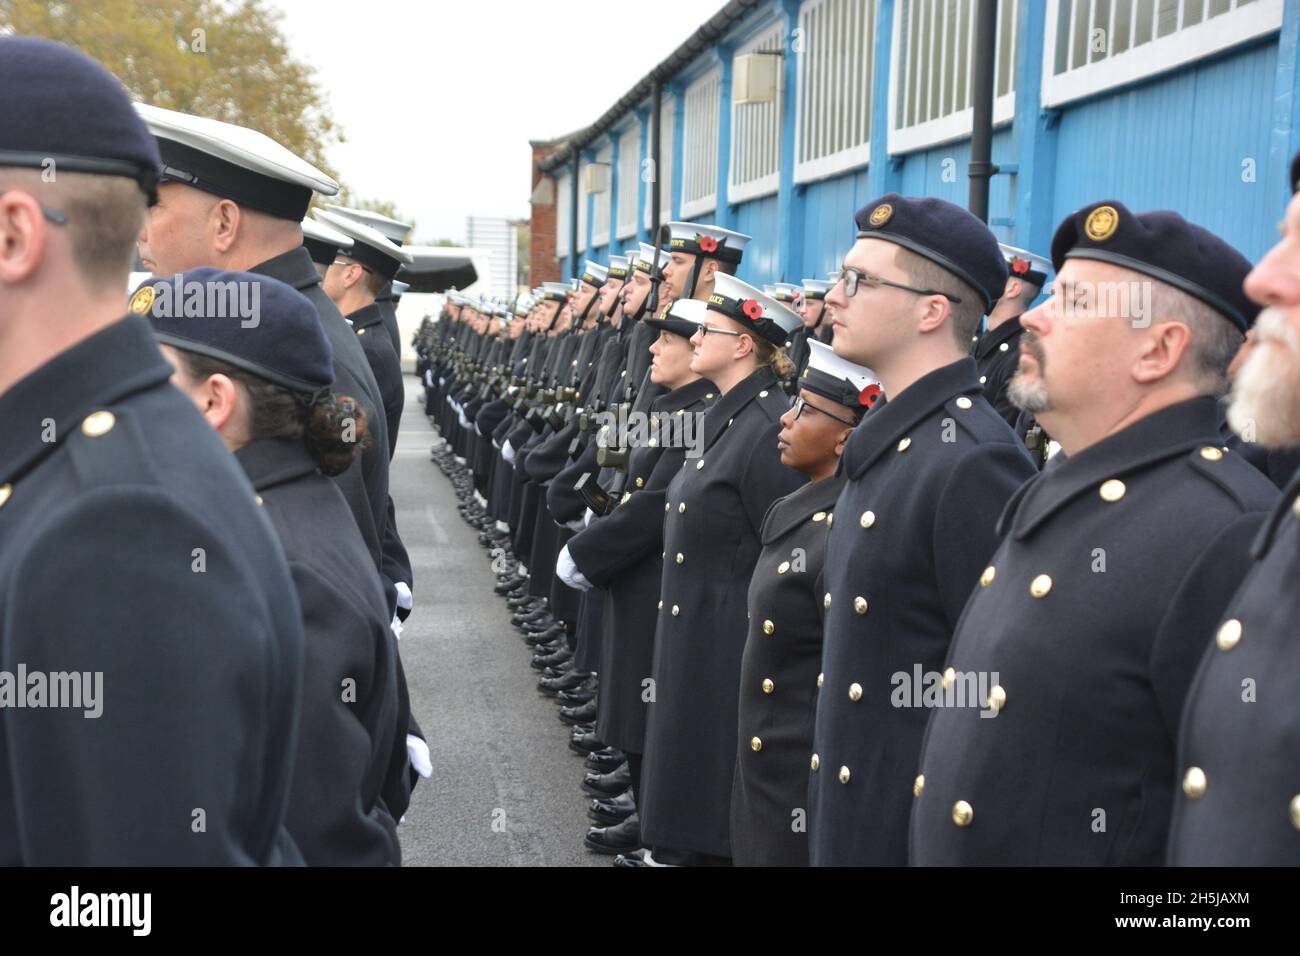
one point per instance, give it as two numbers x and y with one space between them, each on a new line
1239 747
1052 736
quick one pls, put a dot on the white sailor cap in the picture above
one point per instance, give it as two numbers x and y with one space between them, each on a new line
839 379
684 317
742 303
816 288
593 273
369 247
324 242
618 267
786 292
556 291
646 260
704 240
234 162
394 230
1022 264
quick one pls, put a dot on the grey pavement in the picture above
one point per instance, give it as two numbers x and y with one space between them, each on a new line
506 787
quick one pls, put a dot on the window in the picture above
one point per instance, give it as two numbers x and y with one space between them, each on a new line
629 178
667 105
833 112
932 80
562 204
583 198
600 206
1094 45
701 106
756 133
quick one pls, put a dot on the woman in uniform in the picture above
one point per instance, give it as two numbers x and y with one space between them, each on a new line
715 507
779 670
266 390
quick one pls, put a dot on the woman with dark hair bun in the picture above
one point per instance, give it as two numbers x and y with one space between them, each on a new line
262 380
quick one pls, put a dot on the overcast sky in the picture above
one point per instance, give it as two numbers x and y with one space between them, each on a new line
402 77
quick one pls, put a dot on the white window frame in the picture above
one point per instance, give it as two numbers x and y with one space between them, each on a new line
771 38
856 99
563 200
1240 24
600 225
667 112
957 125
704 202
629 178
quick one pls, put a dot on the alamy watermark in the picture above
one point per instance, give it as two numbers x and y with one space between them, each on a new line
952 688
83 690
179 298
628 429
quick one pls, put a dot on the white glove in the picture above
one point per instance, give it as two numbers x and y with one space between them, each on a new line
568 572
405 600
428 377
396 626
418 751
464 422
586 519
441 380
577 524
507 452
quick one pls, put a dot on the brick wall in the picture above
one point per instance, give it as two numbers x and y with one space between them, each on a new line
542 264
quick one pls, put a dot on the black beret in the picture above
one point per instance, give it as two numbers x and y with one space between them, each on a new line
253 322
59 104
1164 246
942 232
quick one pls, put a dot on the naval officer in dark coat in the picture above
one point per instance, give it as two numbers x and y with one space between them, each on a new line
1053 741
132 551
778 672
927 474
1238 770
267 393
997 351
716 504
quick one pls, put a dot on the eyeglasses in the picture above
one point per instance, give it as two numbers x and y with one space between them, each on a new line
53 215
799 405
706 329
852 277
351 262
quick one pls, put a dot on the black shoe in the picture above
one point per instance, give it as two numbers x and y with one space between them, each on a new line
546 660
621 838
518 602
570 679
613 810
608 784
546 636
509 584
578 715
581 730
579 695
603 761
528 616
586 743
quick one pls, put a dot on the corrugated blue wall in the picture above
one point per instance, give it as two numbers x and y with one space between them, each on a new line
762 262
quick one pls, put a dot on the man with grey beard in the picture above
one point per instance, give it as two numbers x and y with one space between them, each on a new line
1239 748
1115 563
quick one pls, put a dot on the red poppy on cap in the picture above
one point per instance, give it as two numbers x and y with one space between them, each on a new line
708 244
869 395
752 309
1019 266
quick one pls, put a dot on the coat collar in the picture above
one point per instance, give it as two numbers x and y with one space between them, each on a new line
800 505
275 461
105 368
1168 433
1285 506
684 397
1004 333
728 406
892 418
366 316
294 268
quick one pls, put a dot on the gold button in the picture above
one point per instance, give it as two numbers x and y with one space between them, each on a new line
1295 506
640 482
699 464
918 784
868 519
661 605
783 567
819 516
763 394
1040 586
768 686
987 577
708 395
5 491
1229 634
681 508
98 423
755 744
1003 347
680 557
844 774
667 505
855 691
361 331
816 761
768 627
997 699
962 813
826 601
984 379
821 678
729 421
676 610
1194 783
904 444
259 499
1210 453
830 516
1295 811
962 402
1112 490
949 675
860 604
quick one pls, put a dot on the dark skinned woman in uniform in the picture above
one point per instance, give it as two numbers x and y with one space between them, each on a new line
716 505
778 673
266 390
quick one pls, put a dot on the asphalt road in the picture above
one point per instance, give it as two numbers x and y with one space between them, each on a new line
506 788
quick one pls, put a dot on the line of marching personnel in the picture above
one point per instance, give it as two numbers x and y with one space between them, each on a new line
194 494
999 586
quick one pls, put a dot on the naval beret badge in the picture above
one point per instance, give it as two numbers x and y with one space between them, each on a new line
142 301
1101 223
881 214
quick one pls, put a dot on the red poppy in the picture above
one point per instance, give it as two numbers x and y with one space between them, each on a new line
1019 266
752 309
869 395
708 244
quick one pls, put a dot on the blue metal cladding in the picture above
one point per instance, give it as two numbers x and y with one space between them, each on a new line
829 231
759 218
